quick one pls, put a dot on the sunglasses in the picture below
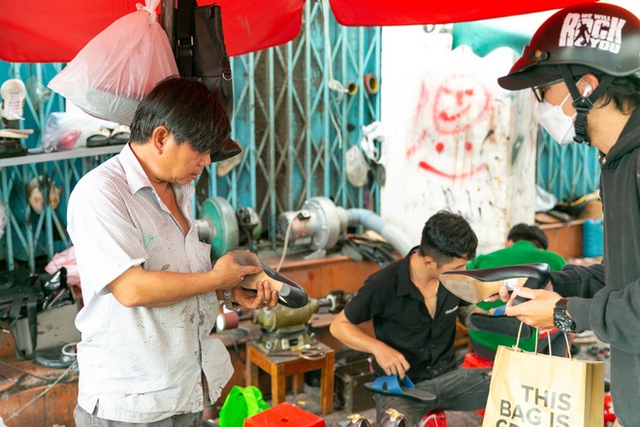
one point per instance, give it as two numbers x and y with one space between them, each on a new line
541 90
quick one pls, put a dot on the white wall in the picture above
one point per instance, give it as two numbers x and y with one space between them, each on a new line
455 140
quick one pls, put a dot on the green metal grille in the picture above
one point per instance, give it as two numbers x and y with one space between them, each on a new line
569 171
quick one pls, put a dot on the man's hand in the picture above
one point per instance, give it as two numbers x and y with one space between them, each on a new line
505 294
390 360
229 273
538 311
264 297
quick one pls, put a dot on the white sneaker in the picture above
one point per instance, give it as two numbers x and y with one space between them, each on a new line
13 93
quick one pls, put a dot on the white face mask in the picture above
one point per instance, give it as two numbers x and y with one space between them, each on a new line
556 122
553 119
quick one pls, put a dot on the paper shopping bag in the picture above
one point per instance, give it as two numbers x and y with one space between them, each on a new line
531 389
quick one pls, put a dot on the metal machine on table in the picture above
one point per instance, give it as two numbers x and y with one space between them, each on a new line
318 226
220 226
286 329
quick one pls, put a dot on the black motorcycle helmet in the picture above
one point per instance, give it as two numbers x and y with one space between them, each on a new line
597 38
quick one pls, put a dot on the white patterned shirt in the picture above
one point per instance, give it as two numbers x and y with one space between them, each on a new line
141 364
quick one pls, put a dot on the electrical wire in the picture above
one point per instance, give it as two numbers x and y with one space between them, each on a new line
235 346
429 418
286 240
66 371
21 370
68 353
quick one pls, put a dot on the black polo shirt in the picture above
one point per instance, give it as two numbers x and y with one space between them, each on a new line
402 321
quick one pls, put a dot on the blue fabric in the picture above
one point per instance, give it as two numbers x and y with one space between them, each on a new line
391 384
499 311
483 38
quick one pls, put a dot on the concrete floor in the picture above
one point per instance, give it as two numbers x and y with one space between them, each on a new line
339 418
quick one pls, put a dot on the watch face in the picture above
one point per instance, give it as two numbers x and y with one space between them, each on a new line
564 323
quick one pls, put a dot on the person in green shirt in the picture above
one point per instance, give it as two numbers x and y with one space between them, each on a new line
526 244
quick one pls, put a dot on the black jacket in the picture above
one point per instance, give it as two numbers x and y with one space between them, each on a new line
606 298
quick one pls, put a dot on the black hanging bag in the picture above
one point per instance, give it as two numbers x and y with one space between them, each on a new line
202 54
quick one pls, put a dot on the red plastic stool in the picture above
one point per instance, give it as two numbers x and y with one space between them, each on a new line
434 419
284 415
472 360
609 416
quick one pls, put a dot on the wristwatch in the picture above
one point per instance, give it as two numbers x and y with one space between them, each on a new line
560 318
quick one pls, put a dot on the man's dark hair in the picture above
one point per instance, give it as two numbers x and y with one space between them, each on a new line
531 233
188 110
624 92
446 236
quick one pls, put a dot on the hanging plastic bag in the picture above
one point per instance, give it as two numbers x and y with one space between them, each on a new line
109 77
241 403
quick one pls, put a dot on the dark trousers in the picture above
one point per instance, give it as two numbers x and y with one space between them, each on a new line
85 419
458 390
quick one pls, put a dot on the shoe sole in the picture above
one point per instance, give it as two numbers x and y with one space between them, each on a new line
475 291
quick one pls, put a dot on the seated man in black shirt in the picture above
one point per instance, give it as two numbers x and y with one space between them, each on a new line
414 320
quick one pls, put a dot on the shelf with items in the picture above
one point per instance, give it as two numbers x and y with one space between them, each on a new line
31 232
60 155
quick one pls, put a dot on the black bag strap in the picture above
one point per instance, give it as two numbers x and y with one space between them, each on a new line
32 319
638 170
14 310
215 40
184 37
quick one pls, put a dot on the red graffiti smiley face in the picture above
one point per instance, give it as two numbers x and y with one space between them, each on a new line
460 102
450 143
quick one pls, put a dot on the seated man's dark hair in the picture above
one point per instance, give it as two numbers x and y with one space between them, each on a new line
188 110
531 233
446 236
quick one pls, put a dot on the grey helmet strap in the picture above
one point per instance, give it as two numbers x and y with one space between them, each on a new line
583 104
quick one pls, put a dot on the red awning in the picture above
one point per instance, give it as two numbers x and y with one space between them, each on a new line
56 30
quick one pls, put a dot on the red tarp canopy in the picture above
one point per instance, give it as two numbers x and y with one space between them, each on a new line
56 30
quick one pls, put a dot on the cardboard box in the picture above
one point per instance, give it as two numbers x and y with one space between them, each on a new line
350 392
56 327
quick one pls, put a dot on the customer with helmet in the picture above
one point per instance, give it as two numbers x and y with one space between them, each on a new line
581 64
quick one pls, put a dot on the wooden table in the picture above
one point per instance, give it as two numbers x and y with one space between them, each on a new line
279 367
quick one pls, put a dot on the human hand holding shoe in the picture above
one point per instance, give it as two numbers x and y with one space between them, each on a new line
504 292
229 273
537 311
391 360
264 296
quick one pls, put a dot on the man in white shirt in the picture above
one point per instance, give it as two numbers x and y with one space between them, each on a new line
150 294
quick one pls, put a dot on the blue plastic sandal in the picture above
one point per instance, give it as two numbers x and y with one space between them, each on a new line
392 386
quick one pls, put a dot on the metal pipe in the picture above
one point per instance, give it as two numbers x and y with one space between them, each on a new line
390 232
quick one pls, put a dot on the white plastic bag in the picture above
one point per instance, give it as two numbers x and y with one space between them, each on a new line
64 131
109 77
